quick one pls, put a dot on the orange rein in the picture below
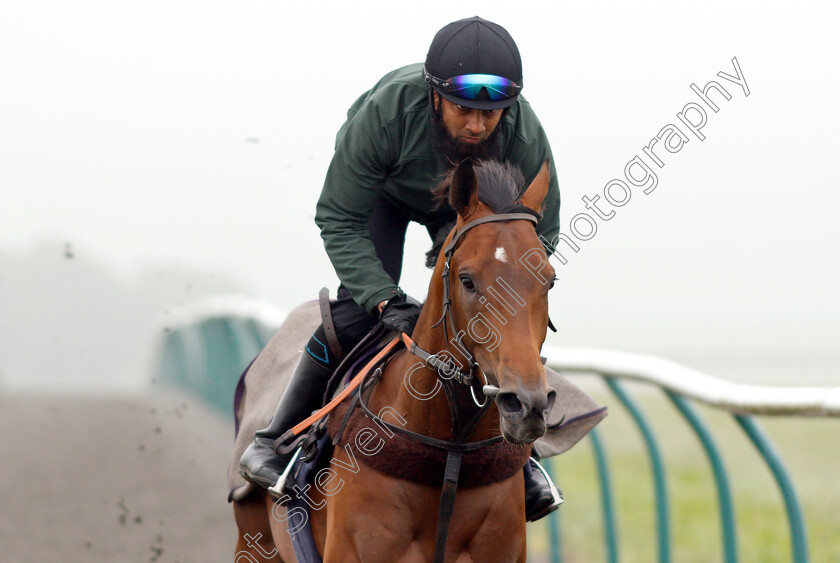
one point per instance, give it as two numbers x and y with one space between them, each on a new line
355 382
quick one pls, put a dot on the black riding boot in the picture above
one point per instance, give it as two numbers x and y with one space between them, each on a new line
260 464
542 497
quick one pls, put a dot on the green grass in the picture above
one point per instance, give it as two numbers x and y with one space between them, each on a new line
810 450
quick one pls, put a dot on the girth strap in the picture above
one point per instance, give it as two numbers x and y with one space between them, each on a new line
447 502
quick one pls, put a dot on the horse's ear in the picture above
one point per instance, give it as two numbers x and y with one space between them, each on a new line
535 194
463 190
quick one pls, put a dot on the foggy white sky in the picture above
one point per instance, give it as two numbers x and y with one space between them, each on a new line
125 127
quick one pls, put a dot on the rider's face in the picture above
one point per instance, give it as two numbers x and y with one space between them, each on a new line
468 126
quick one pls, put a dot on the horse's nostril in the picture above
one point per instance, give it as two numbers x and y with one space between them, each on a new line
552 396
510 405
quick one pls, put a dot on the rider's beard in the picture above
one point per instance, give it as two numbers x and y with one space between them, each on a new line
453 151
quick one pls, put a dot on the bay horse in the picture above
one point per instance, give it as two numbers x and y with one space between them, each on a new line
465 320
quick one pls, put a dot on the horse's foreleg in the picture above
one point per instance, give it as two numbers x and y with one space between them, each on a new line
255 543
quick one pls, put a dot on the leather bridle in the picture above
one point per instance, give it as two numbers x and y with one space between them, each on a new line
448 369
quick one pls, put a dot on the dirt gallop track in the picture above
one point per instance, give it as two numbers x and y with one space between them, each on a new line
117 479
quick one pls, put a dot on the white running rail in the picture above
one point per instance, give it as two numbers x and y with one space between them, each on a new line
734 397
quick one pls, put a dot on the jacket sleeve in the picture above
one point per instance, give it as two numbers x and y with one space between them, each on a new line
530 152
363 156
549 226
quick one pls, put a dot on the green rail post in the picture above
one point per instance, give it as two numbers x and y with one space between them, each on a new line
798 541
663 529
607 503
727 513
555 520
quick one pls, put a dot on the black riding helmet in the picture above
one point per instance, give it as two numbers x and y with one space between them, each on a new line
474 63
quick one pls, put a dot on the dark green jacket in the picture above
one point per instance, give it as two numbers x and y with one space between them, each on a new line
384 149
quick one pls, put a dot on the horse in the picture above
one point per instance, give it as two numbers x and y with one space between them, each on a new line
484 321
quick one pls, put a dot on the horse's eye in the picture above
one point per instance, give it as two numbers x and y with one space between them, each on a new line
552 283
467 282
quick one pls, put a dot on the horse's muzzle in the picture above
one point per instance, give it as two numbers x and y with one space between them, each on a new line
524 413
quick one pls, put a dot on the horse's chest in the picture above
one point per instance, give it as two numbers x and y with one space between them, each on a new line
383 519
398 457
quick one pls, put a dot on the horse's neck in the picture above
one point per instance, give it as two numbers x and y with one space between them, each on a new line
407 384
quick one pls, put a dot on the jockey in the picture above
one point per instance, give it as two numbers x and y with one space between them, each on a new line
399 139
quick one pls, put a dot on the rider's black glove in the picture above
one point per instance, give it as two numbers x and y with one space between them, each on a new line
400 313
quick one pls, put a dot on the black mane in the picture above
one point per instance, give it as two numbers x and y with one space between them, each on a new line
500 187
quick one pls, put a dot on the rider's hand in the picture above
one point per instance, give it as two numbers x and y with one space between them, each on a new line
400 313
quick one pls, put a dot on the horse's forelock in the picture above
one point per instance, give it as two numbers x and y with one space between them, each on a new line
500 187
501 184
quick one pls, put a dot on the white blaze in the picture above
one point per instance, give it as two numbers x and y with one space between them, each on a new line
501 256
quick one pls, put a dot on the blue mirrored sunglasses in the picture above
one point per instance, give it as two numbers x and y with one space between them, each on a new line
469 86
